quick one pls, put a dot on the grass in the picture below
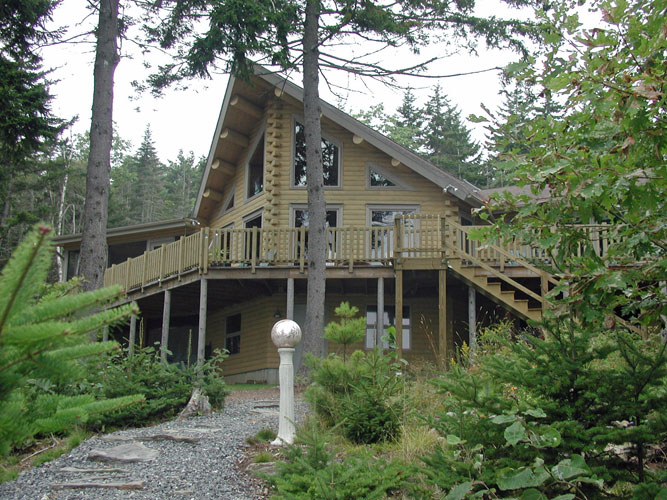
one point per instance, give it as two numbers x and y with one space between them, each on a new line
263 436
263 457
249 387
41 452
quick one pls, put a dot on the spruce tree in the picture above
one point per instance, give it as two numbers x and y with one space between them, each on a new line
43 337
447 142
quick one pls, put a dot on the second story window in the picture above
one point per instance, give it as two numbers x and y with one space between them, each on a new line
255 170
330 159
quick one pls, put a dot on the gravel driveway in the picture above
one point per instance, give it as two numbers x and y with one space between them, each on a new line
207 468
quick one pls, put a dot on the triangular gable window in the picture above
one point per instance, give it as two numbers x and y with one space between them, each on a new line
376 179
379 178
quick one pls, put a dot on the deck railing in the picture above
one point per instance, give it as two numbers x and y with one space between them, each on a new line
411 237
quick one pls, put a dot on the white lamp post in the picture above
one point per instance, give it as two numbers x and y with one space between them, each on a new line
285 335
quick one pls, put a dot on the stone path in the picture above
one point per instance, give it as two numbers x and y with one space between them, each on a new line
196 458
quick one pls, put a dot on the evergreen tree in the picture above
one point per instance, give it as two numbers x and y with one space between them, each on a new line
43 337
447 143
149 191
183 177
405 126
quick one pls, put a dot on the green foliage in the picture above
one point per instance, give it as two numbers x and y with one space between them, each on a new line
348 330
360 394
264 435
43 340
312 472
166 386
523 417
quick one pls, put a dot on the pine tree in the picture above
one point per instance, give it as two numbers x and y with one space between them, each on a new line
447 143
149 188
42 338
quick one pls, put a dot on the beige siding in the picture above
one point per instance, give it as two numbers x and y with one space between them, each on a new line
353 195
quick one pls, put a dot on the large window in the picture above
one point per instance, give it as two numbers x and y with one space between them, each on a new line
300 218
389 320
233 334
255 170
383 216
330 159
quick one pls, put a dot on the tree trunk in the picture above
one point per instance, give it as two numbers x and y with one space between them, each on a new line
93 257
314 327
60 217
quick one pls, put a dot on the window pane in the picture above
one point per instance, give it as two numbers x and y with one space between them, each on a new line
379 180
330 158
256 170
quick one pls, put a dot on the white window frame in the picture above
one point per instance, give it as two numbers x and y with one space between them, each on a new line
253 215
369 342
335 141
252 147
414 208
399 184
329 207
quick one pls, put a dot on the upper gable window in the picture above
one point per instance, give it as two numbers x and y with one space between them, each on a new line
330 159
255 170
380 178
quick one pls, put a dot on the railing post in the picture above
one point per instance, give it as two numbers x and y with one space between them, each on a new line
180 257
302 247
205 243
143 271
443 239
253 249
398 240
159 278
127 275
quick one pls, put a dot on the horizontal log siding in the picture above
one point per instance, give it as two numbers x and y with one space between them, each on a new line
256 323
354 196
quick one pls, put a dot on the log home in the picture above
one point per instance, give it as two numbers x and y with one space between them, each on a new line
398 244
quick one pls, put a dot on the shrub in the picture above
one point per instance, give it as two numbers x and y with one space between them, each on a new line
166 387
348 330
360 394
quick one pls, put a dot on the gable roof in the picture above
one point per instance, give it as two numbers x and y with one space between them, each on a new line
267 83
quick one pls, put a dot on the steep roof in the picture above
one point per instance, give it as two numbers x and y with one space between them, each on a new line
239 112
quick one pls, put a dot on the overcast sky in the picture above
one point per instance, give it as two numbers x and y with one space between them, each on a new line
186 119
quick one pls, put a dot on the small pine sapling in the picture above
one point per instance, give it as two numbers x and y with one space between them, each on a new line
348 330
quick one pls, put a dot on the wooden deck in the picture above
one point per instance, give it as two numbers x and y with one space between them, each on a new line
414 242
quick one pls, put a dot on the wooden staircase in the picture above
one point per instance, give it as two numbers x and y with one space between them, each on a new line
484 268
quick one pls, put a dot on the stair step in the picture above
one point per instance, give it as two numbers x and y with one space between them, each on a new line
535 309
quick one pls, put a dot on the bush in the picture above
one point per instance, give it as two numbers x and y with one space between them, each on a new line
166 387
311 472
360 394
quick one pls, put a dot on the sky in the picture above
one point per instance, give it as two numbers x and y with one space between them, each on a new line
185 120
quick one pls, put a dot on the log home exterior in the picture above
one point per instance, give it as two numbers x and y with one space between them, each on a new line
397 233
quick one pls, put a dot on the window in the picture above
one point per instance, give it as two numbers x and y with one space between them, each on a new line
253 220
233 334
72 264
228 202
300 218
380 178
330 159
383 216
389 320
255 170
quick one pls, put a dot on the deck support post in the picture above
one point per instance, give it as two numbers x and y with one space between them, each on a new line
472 319
166 313
133 335
398 304
289 313
201 338
379 323
443 340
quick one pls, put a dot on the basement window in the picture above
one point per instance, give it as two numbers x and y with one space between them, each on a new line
330 159
389 320
233 334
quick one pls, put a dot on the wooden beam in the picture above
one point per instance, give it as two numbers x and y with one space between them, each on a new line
357 139
379 321
246 106
289 314
398 304
166 314
235 137
472 319
395 162
212 194
442 318
201 337
224 167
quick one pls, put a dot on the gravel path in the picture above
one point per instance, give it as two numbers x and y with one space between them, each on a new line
206 469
